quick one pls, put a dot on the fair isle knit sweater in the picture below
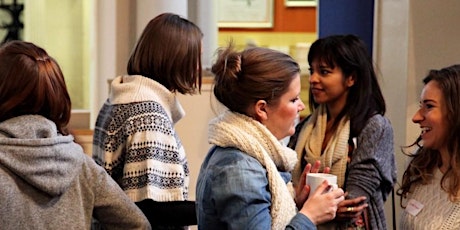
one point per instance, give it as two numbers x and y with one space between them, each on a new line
135 140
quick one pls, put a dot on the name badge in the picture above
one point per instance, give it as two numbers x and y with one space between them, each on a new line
414 207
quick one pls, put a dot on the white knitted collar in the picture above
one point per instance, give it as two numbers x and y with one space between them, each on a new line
137 88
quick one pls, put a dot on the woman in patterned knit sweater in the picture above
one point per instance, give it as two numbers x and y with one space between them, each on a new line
347 131
134 137
430 187
244 181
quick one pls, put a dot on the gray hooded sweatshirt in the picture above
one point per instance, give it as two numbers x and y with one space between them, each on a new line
47 182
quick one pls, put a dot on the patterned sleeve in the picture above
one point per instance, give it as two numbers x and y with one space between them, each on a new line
109 139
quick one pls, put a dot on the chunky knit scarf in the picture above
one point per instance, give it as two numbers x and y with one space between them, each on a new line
310 142
250 136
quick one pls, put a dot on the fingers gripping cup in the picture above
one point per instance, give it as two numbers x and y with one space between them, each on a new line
314 180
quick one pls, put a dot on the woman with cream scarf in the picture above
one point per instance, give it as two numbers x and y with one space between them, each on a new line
347 131
244 181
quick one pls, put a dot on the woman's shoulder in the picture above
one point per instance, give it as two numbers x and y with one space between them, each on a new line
229 157
225 164
379 118
377 122
377 129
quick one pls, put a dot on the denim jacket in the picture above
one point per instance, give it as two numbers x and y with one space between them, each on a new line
232 193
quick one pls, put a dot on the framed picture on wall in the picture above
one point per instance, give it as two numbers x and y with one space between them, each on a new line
300 3
245 13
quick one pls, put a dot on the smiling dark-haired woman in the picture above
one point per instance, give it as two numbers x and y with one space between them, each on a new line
348 131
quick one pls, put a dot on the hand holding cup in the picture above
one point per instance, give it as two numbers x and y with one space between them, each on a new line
316 179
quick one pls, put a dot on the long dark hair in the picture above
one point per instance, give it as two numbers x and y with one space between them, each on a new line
365 98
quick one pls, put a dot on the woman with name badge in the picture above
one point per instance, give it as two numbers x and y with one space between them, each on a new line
430 189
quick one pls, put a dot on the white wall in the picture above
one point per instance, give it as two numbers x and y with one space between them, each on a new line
391 55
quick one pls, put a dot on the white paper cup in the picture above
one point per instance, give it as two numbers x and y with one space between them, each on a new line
316 179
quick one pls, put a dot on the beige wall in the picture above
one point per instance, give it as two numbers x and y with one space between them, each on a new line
193 128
